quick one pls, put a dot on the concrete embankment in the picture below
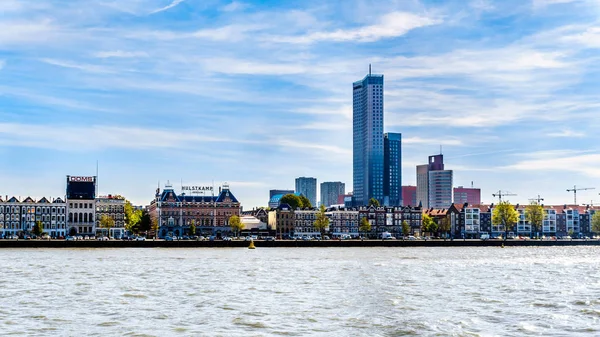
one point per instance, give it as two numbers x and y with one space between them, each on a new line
286 243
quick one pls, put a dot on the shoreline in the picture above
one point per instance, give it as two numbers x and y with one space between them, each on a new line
288 243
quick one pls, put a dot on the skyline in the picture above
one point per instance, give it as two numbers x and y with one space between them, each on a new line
257 94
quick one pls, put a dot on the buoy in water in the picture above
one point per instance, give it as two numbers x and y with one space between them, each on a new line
251 245
502 246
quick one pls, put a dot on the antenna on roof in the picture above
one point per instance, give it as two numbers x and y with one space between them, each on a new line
369 69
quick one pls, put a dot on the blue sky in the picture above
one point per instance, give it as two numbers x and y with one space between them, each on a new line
256 93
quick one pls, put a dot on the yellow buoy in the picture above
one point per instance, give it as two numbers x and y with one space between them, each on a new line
251 245
502 245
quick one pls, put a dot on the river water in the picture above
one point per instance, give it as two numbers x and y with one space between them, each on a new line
301 292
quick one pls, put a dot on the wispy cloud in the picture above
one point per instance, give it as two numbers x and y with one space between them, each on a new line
171 5
391 25
119 54
567 133
234 6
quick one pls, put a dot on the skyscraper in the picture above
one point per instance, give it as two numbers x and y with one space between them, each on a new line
392 169
331 191
471 196
434 183
368 139
308 187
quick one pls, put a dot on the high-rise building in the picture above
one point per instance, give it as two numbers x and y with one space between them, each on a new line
471 196
409 196
434 183
307 187
331 191
422 185
368 139
275 195
81 199
392 169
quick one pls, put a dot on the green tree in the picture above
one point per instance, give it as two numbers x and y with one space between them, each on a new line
291 199
505 215
373 202
193 227
154 225
427 224
133 218
571 232
534 214
596 222
322 221
38 228
107 222
405 228
236 224
365 226
305 203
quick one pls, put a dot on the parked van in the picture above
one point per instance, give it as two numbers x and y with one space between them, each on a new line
485 237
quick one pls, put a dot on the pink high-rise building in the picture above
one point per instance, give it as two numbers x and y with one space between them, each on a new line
471 196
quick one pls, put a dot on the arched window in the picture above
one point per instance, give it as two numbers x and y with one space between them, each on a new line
85 217
70 217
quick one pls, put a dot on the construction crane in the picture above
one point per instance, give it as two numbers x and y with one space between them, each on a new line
501 194
538 199
575 189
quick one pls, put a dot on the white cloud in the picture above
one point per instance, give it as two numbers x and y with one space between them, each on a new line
567 133
586 164
120 54
391 25
544 3
171 5
234 6
432 141
92 68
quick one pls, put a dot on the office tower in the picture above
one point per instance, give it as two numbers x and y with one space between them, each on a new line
392 169
434 183
471 196
331 191
422 186
368 139
409 196
307 187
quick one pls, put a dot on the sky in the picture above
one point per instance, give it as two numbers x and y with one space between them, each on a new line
257 93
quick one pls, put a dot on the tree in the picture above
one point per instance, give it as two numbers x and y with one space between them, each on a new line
373 202
133 217
534 214
322 221
236 224
38 228
193 227
145 222
291 199
504 214
571 232
596 222
154 225
107 222
305 203
427 224
365 226
405 228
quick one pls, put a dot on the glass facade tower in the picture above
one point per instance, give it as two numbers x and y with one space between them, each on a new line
392 164
368 165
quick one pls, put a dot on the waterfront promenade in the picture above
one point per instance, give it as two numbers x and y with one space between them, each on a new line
290 243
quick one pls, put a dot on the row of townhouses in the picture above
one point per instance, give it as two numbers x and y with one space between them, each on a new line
470 221
287 222
60 217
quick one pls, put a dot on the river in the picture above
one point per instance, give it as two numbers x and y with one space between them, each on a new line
458 291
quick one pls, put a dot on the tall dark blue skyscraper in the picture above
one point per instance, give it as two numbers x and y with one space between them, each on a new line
392 169
368 139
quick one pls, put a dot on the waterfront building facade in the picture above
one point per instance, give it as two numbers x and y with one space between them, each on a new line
304 223
307 186
343 221
114 208
81 199
282 221
18 217
389 219
175 213
331 192
409 196
392 169
368 144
